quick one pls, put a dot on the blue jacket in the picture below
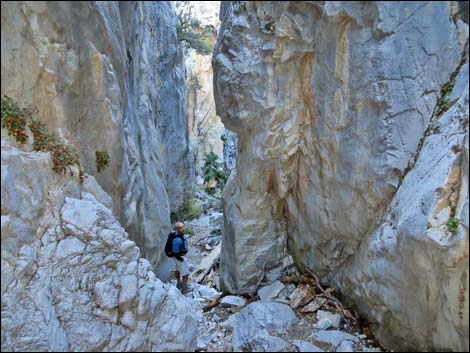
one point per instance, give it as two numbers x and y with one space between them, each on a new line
179 245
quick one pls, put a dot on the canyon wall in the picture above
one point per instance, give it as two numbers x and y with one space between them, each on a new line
352 126
108 76
104 76
204 126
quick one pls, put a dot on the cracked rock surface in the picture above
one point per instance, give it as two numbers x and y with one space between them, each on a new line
350 156
71 278
108 76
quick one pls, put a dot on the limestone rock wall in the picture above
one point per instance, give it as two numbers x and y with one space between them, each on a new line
108 75
205 127
71 278
345 159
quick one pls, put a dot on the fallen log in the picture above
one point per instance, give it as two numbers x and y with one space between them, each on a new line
301 296
207 263
213 303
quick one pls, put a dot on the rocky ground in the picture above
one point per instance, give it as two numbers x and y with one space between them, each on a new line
283 316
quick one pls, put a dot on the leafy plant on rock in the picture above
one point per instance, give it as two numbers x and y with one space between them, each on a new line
189 30
14 120
102 160
452 225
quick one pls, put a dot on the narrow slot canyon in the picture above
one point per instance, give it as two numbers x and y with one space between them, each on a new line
224 176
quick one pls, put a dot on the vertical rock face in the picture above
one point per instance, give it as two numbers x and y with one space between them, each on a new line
205 127
349 156
108 76
71 278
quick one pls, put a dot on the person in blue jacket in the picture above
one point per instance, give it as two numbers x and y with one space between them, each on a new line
179 249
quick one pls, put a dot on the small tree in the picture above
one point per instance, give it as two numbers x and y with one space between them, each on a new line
190 31
213 173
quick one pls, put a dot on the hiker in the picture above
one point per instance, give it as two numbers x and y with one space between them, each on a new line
176 247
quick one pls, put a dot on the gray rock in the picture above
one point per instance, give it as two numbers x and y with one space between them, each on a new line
334 318
230 301
345 346
364 139
230 150
69 247
263 342
305 346
333 337
128 288
213 241
204 126
287 291
250 326
273 275
271 291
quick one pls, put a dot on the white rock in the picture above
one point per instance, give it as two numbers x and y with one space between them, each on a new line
69 247
205 292
323 324
71 304
334 318
106 294
230 301
250 326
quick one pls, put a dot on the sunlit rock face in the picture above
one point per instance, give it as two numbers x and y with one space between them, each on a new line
350 157
204 126
108 76
71 278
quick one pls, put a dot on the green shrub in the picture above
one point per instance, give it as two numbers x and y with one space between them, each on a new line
212 171
447 88
14 120
452 225
189 30
442 105
102 160
63 155
190 209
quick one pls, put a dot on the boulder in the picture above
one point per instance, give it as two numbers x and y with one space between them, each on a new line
230 301
305 346
271 291
250 326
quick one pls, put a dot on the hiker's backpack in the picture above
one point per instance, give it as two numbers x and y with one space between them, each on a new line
169 245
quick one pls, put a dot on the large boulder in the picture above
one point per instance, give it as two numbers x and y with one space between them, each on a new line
71 278
352 156
252 326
